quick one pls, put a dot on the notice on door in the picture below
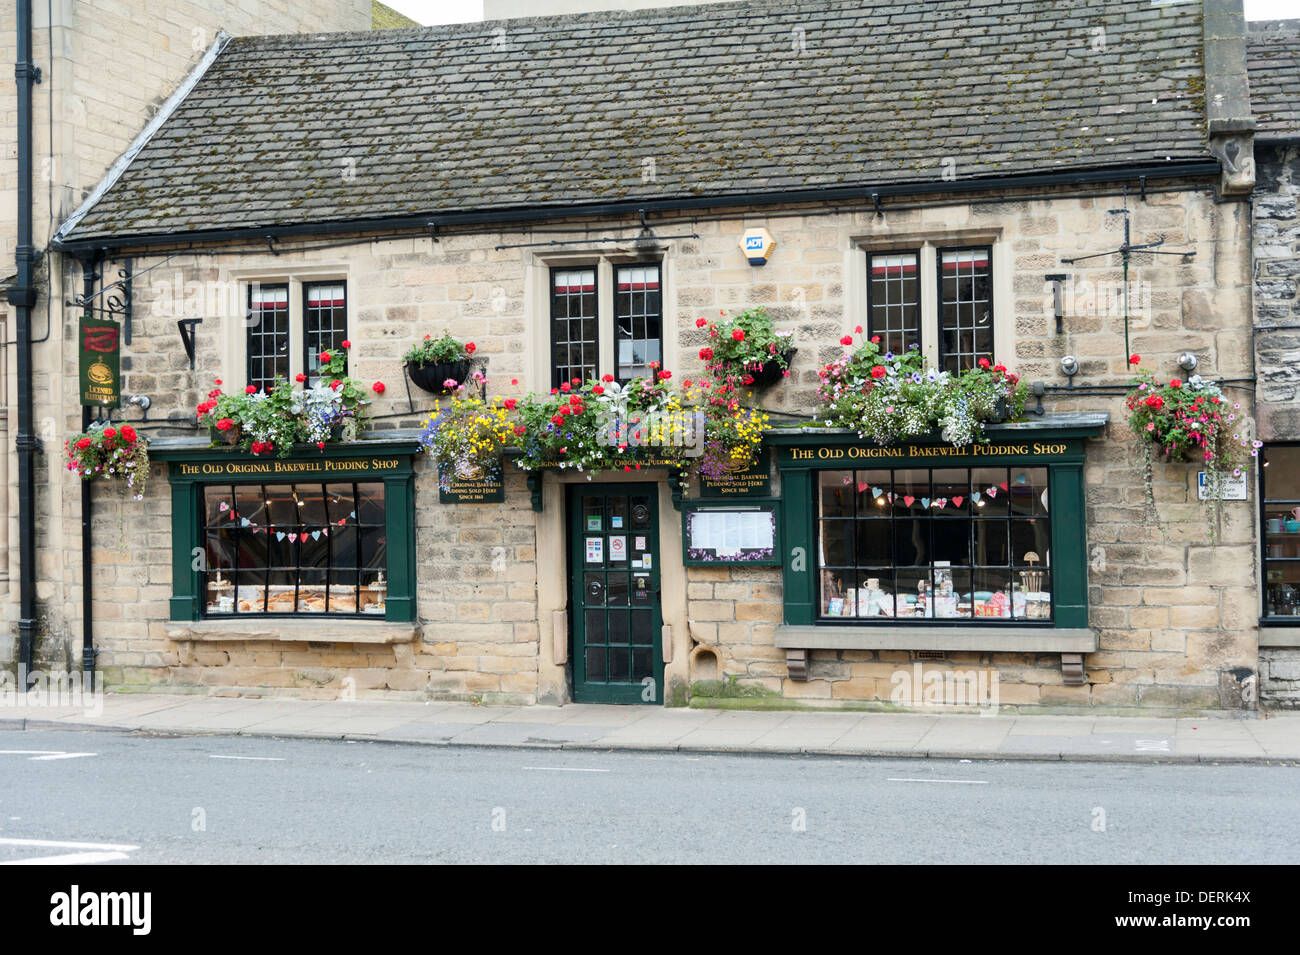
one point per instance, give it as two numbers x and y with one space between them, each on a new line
595 550
617 549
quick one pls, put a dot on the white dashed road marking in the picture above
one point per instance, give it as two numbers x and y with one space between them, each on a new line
266 759
35 755
968 782
92 852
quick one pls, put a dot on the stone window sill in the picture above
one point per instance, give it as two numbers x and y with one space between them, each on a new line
1279 637
284 630
979 639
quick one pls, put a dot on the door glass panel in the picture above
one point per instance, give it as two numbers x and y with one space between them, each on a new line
641 627
617 595
619 627
642 664
641 512
596 665
619 664
595 621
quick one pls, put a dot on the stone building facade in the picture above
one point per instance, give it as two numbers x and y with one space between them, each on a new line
1274 70
1155 605
107 70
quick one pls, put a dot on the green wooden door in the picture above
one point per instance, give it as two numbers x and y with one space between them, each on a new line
614 593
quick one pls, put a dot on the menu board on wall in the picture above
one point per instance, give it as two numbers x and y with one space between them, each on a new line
485 486
731 535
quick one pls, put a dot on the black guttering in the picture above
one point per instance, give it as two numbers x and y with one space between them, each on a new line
22 296
1134 174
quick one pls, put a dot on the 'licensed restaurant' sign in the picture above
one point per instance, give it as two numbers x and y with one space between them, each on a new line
100 376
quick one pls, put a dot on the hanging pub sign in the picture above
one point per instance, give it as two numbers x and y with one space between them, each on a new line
754 481
477 485
100 376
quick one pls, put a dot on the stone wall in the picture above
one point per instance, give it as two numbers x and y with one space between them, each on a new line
1277 296
1279 678
1174 612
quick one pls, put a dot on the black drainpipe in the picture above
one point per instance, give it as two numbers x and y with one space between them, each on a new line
22 296
87 512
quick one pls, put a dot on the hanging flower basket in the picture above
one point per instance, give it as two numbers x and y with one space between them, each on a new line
432 377
770 372
110 452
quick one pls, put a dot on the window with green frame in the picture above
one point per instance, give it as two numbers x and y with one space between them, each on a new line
923 544
987 537
323 535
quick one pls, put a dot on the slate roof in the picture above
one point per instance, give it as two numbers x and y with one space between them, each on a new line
1273 68
725 100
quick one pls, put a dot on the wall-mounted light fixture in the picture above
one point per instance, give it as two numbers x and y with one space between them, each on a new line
143 402
1187 362
1069 368
1058 298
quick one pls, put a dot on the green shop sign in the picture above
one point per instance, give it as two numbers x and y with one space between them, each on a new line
99 368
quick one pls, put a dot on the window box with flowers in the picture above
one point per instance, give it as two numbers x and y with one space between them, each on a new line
890 397
275 420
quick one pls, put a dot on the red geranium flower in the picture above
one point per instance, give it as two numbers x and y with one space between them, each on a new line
984 363
566 387
251 390
110 433
701 322
858 330
1134 359
1155 401
128 433
519 430
575 399
875 339
606 378
665 375
378 387
346 343
738 334
597 389
83 444
1175 383
557 420
470 347
324 358
225 424
846 340
510 404
300 377
706 353
878 371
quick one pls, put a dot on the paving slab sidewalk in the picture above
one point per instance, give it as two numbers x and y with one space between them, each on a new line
1269 738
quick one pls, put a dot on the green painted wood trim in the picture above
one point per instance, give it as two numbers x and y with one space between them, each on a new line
343 449
184 604
798 542
1069 545
399 513
585 692
399 521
